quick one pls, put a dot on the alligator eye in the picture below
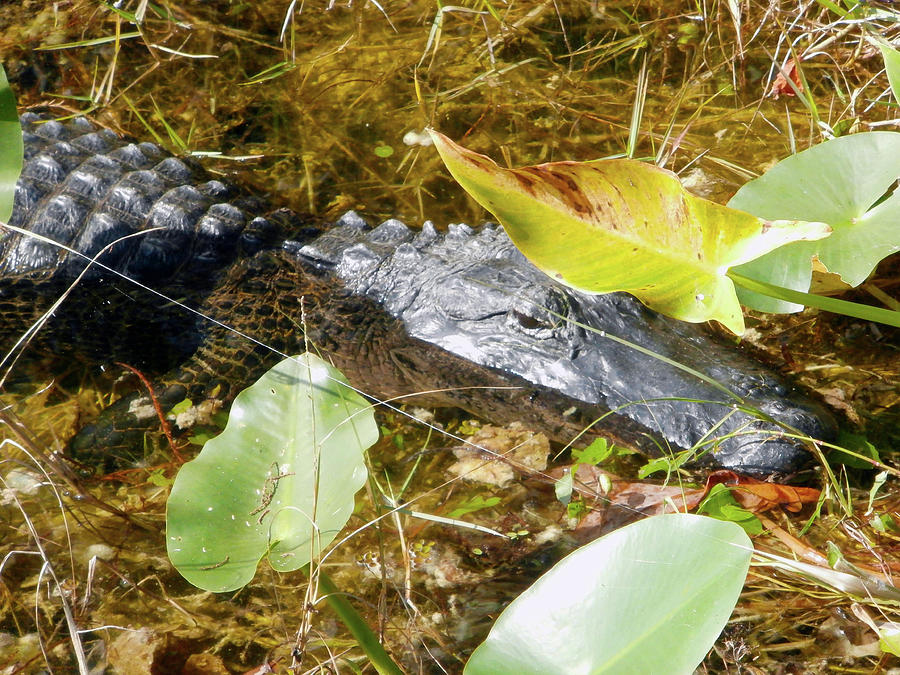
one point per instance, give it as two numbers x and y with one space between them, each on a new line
530 322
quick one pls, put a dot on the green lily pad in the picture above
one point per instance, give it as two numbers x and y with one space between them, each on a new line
841 182
651 597
279 480
622 225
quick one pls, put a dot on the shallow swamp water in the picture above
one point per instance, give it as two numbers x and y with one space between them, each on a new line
321 106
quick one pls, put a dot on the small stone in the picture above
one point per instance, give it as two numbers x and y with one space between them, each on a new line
500 452
23 481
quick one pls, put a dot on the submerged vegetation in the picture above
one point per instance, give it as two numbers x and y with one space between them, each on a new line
326 106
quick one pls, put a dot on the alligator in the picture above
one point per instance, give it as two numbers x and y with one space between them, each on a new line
459 318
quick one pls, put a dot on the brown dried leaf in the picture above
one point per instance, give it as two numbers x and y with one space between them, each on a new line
757 496
780 85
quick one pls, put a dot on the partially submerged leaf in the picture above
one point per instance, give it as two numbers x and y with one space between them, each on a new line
622 225
279 481
473 504
888 632
841 182
651 597
721 504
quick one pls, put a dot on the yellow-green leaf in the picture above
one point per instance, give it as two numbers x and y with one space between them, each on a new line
622 225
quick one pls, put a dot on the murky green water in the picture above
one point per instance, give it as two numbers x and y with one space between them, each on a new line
336 106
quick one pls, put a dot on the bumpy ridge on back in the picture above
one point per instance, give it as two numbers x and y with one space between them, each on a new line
87 188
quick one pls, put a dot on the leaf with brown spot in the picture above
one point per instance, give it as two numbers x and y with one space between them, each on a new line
622 225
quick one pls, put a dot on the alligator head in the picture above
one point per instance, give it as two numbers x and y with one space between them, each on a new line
473 294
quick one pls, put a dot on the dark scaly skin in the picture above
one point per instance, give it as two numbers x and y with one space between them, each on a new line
86 188
398 312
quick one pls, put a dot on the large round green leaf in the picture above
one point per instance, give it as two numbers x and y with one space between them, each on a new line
622 225
840 182
651 597
279 480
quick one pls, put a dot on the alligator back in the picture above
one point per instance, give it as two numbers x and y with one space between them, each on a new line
155 218
158 220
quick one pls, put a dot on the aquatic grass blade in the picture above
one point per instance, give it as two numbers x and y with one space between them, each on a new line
651 597
364 635
11 148
888 317
279 481
622 225
842 182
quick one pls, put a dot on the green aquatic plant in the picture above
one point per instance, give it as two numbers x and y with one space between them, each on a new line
845 182
622 225
279 481
11 149
651 597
